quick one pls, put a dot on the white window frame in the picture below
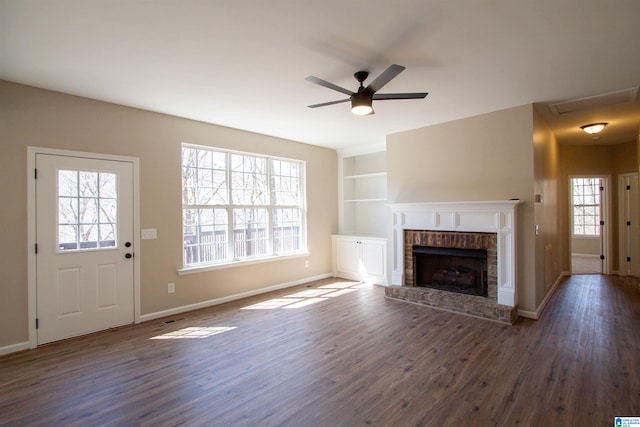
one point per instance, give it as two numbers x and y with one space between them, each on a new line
232 260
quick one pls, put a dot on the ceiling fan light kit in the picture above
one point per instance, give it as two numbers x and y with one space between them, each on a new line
361 104
594 128
362 100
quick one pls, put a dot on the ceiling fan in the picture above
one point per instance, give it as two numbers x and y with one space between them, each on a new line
362 100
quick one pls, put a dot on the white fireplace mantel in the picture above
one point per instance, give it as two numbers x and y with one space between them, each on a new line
497 216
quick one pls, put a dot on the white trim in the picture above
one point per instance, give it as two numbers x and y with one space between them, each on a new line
590 256
606 238
217 301
13 348
31 228
210 267
495 216
535 315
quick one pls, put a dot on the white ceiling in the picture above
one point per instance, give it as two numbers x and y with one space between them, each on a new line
242 64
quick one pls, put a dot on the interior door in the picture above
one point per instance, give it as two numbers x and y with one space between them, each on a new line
629 225
84 235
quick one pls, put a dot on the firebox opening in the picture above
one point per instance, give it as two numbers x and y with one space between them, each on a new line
451 269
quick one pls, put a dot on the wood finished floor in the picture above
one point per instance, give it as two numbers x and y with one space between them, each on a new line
337 353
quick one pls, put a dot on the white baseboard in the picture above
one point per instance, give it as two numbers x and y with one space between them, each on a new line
14 347
589 256
217 301
535 315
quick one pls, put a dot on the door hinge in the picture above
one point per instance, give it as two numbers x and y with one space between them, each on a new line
601 222
628 259
628 187
37 323
36 248
601 256
35 173
629 223
601 188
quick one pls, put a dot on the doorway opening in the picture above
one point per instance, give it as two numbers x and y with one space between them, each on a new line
589 238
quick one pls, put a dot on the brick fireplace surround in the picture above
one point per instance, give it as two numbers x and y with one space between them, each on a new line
464 225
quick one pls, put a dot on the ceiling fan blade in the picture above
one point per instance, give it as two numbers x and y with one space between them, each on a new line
416 95
329 85
324 104
384 78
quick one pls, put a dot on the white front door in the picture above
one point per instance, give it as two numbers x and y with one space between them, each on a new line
84 237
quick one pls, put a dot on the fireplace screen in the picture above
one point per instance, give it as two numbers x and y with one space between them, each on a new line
451 269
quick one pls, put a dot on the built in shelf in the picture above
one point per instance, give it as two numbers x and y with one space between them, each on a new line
366 175
364 200
363 193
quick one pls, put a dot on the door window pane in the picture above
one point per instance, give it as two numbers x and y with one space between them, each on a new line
87 210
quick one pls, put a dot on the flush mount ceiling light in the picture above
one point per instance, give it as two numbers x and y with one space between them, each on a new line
593 128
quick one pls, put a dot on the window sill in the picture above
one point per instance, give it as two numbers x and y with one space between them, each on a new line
210 267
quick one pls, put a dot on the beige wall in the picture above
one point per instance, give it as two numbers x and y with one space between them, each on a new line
487 157
600 160
548 242
39 118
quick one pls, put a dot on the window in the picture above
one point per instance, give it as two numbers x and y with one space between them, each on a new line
87 210
238 206
585 200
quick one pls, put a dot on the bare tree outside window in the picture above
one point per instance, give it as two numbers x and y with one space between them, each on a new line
585 199
240 205
87 210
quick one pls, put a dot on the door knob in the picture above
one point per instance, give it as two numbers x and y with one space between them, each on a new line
128 244
128 256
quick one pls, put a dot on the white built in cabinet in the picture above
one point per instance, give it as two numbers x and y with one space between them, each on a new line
360 248
360 258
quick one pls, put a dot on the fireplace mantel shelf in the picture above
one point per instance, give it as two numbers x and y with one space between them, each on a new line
498 216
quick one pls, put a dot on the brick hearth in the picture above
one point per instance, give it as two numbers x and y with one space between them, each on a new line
450 301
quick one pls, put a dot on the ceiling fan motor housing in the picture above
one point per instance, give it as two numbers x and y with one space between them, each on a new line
361 76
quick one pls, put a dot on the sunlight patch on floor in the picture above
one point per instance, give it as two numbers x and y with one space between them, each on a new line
310 296
194 332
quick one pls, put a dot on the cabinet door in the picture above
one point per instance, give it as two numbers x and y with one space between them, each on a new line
373 255
347 255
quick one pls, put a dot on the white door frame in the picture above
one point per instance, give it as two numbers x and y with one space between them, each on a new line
31 229
605 211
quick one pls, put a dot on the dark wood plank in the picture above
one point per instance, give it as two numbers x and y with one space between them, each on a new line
340 354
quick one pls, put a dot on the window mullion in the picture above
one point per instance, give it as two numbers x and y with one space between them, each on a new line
231 242
270 202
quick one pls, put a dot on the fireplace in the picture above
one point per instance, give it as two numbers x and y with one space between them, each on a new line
456 256
451 269
452 261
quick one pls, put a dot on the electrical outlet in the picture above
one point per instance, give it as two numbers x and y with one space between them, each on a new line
306 263
171 288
